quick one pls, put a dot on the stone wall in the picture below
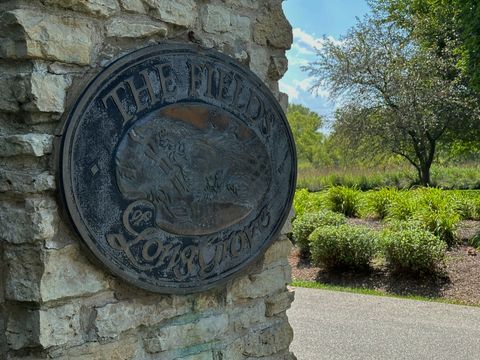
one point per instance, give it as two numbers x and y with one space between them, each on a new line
54 303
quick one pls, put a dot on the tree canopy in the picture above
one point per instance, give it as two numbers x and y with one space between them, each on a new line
450 27
305 125
394 93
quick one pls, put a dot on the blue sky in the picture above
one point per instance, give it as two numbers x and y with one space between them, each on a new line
311 20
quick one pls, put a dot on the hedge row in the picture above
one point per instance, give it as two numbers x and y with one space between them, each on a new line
327 240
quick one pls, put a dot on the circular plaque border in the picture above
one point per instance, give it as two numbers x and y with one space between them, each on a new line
70 122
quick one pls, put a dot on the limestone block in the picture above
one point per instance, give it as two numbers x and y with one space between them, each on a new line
205 355
279 250
259 61
241 27
133 6
14 222
22 328
216 19
113 319
67 273
24 182
287 227
179 12
209 300
248 4
278 67
126 348
26 144
242 317
27 222
268 282
24 272
283 100
270 340
34 118
177 336
272 28
47 92
43 217
93 7
60 325
128 29
279 302
233 351
12 91
65 38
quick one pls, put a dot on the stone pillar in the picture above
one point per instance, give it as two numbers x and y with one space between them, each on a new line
54 303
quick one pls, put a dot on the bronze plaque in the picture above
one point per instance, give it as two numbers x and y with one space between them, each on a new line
177 167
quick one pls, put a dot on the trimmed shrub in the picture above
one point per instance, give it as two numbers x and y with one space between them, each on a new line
305 224
344 200
343 246
398 225
412 250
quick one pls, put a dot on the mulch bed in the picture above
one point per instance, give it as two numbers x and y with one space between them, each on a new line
458 279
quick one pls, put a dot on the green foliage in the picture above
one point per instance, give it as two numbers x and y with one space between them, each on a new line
379 203
467 205
398 96
344 200
475 241
306 223
436 211
369 178
451 28
433 208
412 249
307 202
343 246
402 207
442 223
305 125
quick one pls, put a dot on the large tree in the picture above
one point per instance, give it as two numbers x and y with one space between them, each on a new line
305 125
394 94
449 27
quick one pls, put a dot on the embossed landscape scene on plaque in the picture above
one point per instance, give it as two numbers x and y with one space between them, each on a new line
177 167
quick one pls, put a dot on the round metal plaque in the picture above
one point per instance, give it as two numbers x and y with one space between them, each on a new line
177 167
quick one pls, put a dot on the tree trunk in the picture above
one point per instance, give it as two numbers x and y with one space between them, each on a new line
424 174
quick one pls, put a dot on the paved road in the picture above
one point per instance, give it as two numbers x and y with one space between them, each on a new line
334 325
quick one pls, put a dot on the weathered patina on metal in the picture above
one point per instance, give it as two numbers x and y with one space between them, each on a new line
177 167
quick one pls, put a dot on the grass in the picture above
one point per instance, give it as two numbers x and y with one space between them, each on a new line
461 177
393 203
372 292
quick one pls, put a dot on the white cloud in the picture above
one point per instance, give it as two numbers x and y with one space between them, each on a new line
307 39
301 89
304 84
301 37
288 89
297 61
301 49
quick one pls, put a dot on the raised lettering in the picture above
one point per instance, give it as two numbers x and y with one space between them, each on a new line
194 80
136 92
113 95
167 82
